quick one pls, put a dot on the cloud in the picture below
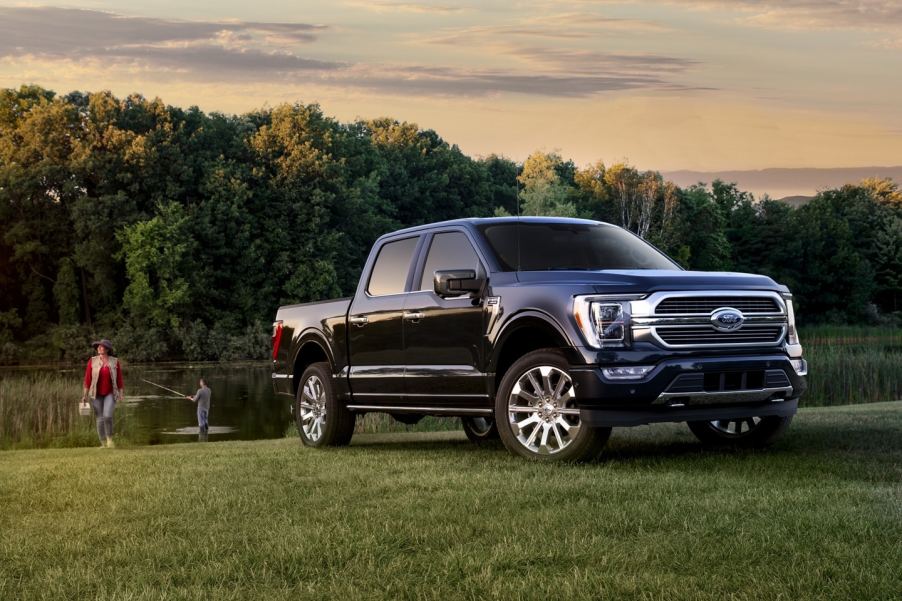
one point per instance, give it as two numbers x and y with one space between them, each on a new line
440 81
237 46
587 61
406 7
585 20
820 14
246 51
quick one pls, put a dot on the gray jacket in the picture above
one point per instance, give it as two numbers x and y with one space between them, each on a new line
202 398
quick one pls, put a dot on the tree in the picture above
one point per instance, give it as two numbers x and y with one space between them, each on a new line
543 192
158 262
703 244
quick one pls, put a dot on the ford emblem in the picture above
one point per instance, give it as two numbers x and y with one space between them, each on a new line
727 319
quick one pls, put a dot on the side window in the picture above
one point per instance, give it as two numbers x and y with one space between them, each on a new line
391 267
451 250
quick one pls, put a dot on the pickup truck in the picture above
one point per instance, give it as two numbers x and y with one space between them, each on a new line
545 332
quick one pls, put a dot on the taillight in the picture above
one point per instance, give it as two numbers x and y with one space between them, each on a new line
276 338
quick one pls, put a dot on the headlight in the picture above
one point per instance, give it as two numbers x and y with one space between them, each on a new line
603 322
792 335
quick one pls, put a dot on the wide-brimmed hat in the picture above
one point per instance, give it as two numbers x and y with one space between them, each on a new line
104 343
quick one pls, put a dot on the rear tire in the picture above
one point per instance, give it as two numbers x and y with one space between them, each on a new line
322 419
746 432
536 412
480 429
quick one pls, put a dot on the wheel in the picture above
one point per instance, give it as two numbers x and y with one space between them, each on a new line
479 429
322 420
537 415
741 432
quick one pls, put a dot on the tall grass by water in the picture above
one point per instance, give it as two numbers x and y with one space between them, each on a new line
852 364
41 410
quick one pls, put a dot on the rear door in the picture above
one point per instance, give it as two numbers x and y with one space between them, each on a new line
444 337
375 325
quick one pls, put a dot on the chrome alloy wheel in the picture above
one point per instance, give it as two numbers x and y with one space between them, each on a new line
313 408
735 427
542 412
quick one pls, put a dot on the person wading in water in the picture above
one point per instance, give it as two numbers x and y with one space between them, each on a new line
202 398
103 385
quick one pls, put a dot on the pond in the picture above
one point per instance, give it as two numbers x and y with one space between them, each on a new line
243 405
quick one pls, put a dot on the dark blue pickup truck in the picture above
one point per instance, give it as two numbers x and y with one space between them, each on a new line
546 332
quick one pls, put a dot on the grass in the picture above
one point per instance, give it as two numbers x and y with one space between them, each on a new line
41 410
852 364
430 516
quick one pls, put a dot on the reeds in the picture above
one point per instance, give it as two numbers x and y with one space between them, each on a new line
848 365
41 410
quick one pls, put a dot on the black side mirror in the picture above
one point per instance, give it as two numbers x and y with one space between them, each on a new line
455 282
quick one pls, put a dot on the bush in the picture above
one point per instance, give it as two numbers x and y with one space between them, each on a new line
140 344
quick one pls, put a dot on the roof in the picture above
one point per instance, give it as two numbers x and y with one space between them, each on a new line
473 221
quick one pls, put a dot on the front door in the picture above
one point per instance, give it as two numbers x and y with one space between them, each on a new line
444 337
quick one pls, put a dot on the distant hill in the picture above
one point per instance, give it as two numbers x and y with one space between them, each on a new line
782 183
796 201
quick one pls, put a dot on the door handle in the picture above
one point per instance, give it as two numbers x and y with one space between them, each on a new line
358 320
414 316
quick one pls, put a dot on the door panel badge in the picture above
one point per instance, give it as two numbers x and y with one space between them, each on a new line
493 305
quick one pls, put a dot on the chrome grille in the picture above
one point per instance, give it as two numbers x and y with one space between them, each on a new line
704 305
703 335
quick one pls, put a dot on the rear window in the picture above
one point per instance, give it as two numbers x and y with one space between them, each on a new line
525 246
391 268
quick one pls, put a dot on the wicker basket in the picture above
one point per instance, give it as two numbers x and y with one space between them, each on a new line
84 408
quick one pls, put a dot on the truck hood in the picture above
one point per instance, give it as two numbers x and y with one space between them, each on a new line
651 280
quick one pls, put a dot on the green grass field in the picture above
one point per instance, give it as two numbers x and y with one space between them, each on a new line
430 516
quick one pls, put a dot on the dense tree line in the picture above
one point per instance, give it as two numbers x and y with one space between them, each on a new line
178 233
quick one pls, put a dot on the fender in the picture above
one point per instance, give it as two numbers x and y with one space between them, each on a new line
519 320
312 334
315 336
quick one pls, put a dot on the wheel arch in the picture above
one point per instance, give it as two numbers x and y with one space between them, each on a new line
312 348
526 332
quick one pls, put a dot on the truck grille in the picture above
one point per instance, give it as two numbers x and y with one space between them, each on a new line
703 335
704 305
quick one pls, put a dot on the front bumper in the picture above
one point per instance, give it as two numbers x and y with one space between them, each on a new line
691 388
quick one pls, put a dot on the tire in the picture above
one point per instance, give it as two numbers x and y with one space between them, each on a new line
322 420
480 429
544 424
746 432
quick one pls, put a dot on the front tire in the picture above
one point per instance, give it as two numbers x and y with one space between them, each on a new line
537 415
322 419
744 432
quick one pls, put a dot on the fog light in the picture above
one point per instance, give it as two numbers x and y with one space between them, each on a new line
800 365
633 372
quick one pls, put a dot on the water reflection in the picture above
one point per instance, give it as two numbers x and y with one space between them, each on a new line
242 405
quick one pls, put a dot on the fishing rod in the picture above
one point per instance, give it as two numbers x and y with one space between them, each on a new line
181 396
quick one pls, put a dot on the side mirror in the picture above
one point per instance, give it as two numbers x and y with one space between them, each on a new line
455 282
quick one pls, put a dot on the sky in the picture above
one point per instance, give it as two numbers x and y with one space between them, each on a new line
674 84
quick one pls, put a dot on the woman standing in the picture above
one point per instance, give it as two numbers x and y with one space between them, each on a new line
103 385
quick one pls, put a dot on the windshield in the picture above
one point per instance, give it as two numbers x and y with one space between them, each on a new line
529 246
